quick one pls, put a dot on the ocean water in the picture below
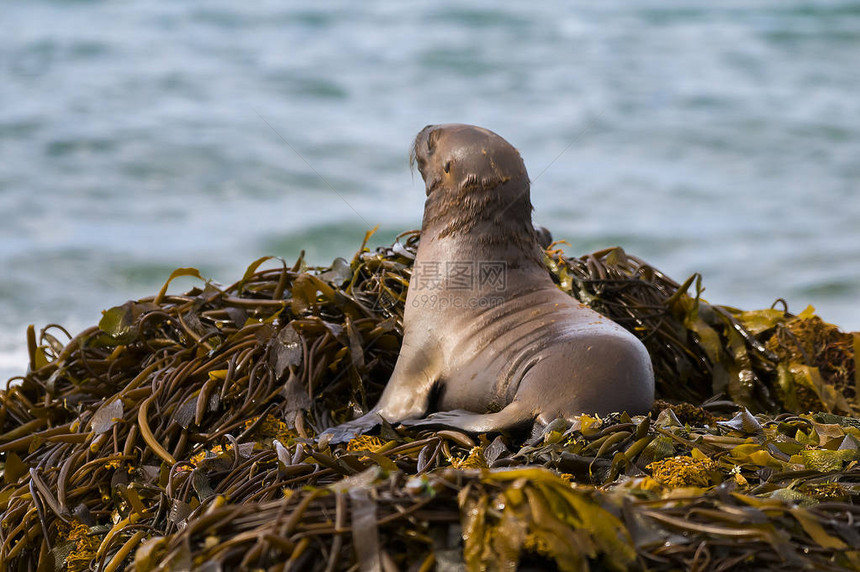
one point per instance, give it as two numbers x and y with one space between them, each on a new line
139 136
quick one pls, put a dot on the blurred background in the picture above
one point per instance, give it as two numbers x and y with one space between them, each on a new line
139 136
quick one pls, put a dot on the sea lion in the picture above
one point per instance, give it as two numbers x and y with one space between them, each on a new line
489 341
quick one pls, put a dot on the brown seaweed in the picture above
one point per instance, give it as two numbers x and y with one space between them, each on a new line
179 434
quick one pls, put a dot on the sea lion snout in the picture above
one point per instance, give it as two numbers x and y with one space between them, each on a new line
461 155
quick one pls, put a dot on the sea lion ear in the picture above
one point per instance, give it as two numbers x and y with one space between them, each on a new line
431 139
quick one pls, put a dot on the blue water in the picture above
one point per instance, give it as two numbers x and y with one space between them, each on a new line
718 137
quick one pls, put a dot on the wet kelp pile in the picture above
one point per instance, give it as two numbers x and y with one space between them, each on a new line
180 433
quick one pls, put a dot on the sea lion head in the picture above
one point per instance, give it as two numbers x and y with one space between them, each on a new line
456 156
475 181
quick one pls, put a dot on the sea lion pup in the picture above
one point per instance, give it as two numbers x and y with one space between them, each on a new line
489 340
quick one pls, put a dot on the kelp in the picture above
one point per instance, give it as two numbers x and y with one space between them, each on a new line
760 359
180 433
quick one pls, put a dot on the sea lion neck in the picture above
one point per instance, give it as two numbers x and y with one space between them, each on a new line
473 222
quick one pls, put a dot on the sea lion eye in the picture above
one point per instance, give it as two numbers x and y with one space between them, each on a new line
447 167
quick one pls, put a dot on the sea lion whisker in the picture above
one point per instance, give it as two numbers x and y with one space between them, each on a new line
413 155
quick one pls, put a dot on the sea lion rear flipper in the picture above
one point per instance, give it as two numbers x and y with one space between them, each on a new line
514 415
544 236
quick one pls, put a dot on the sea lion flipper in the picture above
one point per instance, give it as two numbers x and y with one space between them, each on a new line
352 429
406 395
544 236
514 415
415 374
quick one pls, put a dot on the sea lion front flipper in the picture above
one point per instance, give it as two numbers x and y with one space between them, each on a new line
406 395
352 429
514 415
